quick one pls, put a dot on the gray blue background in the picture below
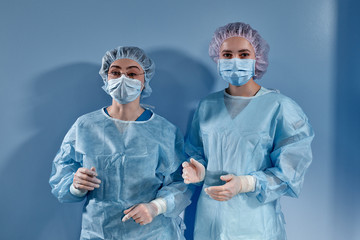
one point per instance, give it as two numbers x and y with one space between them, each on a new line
50 53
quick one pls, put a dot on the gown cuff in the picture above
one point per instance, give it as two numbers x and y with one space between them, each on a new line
248 183
160 203
77 192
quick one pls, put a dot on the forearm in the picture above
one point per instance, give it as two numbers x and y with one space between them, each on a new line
160 204
61 189
270 187
177 197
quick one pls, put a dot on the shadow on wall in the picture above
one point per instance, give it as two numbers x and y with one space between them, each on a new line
178 85
30 211
58 98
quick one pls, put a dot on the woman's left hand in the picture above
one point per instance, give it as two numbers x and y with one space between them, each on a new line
142 213
234 185
226 191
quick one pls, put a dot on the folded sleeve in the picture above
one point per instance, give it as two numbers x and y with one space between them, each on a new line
175 192
290 156
194 144
65 164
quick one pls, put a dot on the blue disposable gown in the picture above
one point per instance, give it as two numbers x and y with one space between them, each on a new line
136 161
266 136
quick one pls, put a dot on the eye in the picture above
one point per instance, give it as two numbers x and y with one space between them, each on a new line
243 55
227 55
132 74
115 73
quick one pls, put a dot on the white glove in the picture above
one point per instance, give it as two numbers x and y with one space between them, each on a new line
234 185
85 179
77 192
144 213
193 171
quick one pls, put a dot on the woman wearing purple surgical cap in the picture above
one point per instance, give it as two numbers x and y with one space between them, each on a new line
248 145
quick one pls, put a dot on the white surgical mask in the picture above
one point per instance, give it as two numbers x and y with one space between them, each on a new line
123 89
236 71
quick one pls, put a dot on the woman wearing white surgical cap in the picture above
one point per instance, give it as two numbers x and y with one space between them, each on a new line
248 145
123 159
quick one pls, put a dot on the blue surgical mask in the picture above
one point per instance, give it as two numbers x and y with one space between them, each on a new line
236 71
123 89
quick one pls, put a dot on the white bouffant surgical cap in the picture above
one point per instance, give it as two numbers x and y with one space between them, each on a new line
133 53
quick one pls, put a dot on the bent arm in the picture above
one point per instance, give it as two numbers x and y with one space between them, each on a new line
194 146
174 191
291 156
65 164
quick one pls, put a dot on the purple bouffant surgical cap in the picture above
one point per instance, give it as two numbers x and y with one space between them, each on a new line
239 29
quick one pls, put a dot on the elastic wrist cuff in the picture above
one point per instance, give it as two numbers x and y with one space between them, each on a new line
160 203
247 183
77 192
252 183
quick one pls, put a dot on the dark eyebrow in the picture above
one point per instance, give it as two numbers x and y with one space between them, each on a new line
244 50
133 67
115 66
241 50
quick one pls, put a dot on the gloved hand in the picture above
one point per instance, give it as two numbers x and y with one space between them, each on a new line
193 171
85 179
234 185
142 213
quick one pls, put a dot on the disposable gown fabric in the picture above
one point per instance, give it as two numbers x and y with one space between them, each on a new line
266 136
136 161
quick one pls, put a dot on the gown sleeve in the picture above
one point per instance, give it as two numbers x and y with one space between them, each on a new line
65 164
290 156
194 144
175 192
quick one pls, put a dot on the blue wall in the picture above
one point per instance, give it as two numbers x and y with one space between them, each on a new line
346 177
50 53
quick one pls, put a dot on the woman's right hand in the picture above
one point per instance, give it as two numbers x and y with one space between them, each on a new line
85 179
193 171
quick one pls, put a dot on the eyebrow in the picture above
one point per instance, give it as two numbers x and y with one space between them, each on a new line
116 66
132 67
241 50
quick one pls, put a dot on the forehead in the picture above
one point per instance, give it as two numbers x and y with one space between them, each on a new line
235 44
125 63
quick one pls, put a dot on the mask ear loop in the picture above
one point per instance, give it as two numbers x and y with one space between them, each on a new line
255 67
143 85
146 106
142 88
105 86
218 67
